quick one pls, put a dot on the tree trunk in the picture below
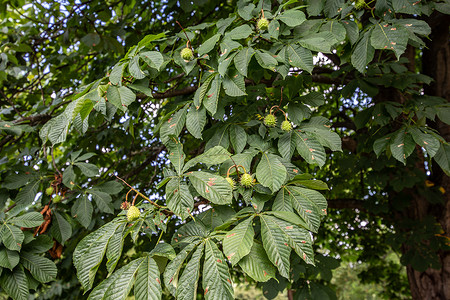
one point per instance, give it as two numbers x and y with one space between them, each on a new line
432 283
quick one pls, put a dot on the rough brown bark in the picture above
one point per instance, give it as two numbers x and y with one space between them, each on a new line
432 283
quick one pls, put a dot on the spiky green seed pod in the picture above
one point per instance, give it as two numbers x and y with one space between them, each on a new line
230 181
187 54
270 120
263 24
133 213
246 180
56 199
49 191
286 126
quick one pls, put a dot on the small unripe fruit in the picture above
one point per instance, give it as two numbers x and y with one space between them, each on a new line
246 180
270 120
133 213
263 24
187 54
49 191
286 126
57 199
230 181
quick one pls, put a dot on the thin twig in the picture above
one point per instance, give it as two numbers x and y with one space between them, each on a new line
54 164
139 193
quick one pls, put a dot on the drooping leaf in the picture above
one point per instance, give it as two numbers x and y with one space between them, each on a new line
11 236
15 283
148 282
213 187
238 242
257 265
8 258
179 199
188 283
270 172
42 269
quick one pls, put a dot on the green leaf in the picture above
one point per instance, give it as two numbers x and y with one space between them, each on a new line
212 96
187 286
208 45
352 30
28 220
282 202
153 59
298 238
148 283
90 170
200 93
363 53
386 36
115 247
402 145
310 205
173 125
176 154
174 267
42 269
15 181
69 176
425 140
82 211
292 17
120 97
179 199
134 69
276 245
407 6
257 265
8 258
380 144
288 216
286 145
240 32
238 242
324 135
442 157
216 277
270 172
102 199
220 138
242 59
61 229
89 254
266 60
115 77
311 184
15 284
11 236
28 193
212 187
195 121
298 112
224 63
309 148
274 29
300 57
212 156
238 138
245 11
119 285
234 86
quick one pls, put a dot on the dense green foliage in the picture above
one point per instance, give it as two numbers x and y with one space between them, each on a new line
166 149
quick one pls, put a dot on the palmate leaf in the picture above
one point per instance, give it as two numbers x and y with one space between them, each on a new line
310 205
238 138
82 211
173 268
90 251
363 53
212 187
286 145
224 62
442 157
15 283
234 85
324 135
118 285
179 199
238 242
148 282
188 283
173 125
270 172
42 269
425 140
212 96
120 97
200 93
216 277
276 245
300 57
257 265
61 229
